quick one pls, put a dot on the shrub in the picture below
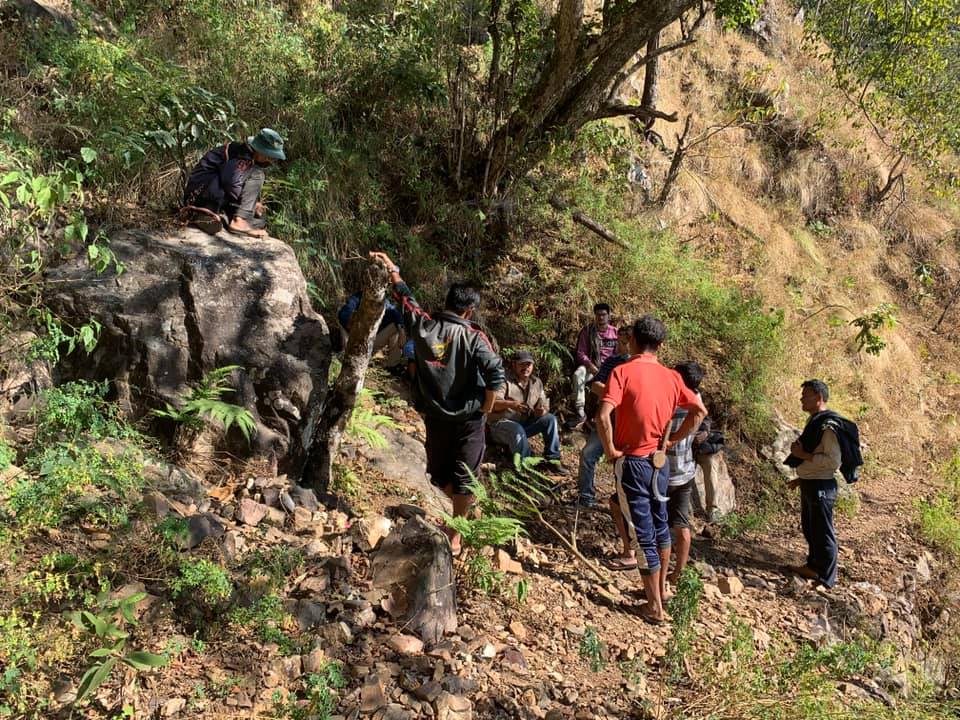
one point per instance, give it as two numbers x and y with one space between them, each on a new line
203 581
939 517
71 480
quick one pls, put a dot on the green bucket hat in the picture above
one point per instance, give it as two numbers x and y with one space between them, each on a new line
268 142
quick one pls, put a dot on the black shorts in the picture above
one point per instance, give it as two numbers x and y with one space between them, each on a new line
454 450
678 505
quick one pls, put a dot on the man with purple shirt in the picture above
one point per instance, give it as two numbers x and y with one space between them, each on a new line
596 342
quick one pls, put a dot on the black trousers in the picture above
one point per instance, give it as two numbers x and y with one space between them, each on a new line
816 517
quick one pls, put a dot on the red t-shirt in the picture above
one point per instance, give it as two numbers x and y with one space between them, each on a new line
645 394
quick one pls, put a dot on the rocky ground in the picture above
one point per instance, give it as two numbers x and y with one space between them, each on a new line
574 648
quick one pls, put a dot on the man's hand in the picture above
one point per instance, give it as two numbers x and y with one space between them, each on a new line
519 406
384 259
796 449
260 210
592 368
540 410
613 455
794 484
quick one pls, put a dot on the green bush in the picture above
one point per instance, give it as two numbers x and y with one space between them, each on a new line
68 480
202 581
939 516
77 411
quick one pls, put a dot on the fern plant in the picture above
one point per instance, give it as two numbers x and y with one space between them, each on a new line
365 422
205 403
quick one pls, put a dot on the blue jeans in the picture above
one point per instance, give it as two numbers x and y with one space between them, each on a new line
639 489
589 457
516 436
816 517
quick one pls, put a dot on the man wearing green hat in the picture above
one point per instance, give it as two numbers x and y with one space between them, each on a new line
224 187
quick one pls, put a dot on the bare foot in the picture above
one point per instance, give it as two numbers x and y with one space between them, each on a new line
240 226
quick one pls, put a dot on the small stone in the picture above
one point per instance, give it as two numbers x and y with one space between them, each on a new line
518 630
489 651
730 585
406 644
429 691
173 706
305 497
372 695
250 512
314 661
507 564
275 517
199 528
453 707
514 659
302 519
156 504
234 545
711 591
310 614
369 532
316 547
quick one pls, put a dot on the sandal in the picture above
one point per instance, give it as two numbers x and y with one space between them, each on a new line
252 232
620 564
205 220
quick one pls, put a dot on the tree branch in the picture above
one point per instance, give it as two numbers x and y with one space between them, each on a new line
578 216
620 109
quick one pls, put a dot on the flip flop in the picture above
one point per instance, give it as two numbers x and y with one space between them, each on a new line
205 220
650 619
254 233
620 564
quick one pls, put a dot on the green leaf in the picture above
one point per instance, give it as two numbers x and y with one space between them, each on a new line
93 678
102 652
88 154
142 660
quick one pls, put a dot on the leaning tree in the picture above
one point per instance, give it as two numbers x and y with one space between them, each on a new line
545 73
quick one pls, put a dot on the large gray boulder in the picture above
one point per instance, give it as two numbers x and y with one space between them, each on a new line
187 303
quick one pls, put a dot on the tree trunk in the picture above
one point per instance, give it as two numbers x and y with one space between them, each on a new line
651 77
572 89
342 398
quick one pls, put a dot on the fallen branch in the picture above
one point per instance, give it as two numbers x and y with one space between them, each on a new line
581 218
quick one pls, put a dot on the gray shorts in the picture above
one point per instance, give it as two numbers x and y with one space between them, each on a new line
678 505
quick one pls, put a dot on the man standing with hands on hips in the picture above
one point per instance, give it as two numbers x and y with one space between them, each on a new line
457 376
645 394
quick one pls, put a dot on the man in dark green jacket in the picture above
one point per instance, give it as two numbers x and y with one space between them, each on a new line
458 374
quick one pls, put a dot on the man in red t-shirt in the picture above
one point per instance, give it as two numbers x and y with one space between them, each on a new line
645 393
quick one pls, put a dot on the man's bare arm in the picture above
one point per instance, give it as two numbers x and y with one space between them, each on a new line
598 388
696 412
489 397
605 430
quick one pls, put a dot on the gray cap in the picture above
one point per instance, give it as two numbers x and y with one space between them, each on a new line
268 142
523 356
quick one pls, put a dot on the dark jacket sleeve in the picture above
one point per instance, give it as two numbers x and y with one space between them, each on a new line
407 304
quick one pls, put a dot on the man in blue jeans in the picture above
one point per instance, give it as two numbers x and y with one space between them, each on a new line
593 450
645 395
521 411
818 451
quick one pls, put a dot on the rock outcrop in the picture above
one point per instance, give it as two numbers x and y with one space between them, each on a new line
187 303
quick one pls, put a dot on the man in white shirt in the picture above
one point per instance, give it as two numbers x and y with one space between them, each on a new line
819 452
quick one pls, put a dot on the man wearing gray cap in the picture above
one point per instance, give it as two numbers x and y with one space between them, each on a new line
521 410
224 187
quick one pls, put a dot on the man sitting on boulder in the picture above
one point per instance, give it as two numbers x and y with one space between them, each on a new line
596 342
224 187
457 376
522 411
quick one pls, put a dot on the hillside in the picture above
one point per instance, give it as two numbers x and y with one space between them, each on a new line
252 598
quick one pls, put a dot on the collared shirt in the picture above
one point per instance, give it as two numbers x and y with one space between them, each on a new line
645 394
531 393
